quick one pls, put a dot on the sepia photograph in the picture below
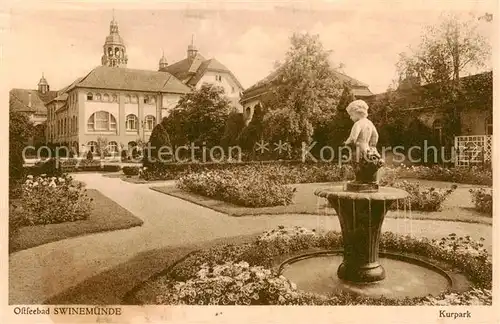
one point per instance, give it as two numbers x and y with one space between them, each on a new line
249 154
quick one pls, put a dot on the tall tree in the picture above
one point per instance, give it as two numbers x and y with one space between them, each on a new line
200 117
307 87
340 126
446 51
20 130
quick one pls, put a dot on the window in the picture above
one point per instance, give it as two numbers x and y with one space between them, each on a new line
92 146
101 121
489 125
113 147
248 111
127 99
232 89
437 127
146 99
133 99
114 98
149 122
105 97
131 122
98 97
218 78
90 96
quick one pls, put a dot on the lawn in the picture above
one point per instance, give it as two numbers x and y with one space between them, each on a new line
105 216
457 207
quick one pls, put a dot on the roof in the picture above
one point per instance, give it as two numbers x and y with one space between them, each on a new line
191 71
358 88
19 100
104 77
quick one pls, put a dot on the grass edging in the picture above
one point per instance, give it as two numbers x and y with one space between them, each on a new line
106 215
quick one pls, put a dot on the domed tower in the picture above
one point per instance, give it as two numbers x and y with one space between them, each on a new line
115 53
43 85
162 65
192 50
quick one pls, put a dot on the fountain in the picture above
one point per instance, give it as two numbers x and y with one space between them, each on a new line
361 206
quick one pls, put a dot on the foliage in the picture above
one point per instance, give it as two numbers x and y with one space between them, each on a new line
50 200
447 50
200 117
240 187
246 273
20 130
482 200
159 138
102 147
253 132
130 170
234 126
307 88
339 127
422 199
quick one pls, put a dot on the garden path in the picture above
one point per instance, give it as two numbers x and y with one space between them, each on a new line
42 272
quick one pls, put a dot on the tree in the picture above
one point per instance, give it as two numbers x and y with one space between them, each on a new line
339 127
102 147
445 52
234 126
159 138
307 88
200 117
20 130
253 132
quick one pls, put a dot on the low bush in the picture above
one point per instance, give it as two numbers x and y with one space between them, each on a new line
420 198
246 274
130 170
245 187
482 200
49 200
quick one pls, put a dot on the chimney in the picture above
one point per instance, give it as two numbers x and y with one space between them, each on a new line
29 100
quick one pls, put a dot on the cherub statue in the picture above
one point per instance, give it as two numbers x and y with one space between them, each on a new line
364 138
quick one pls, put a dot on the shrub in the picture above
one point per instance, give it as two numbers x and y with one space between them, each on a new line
242 187
130 170
49 200
421 199
482 200
246 273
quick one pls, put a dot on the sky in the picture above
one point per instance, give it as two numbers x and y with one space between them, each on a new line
66 42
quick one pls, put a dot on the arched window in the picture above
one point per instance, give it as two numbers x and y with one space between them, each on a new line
146 99
101 121
113 147
150 122
489 125
127 99
90 96
133 99
114 98
437 127
92 146
248 111
98 97
105 97
110 51
131 122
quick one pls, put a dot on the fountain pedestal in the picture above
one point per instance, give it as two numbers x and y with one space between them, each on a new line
361 215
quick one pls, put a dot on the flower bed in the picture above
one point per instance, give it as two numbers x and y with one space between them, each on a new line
242 187
482 200
246 274
49 200
420 198
285 171
51 167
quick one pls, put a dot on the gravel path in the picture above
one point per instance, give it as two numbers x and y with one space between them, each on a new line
40 273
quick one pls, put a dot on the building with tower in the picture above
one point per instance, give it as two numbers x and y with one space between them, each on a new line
118 105
195 70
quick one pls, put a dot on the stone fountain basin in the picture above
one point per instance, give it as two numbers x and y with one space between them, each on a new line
406 276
